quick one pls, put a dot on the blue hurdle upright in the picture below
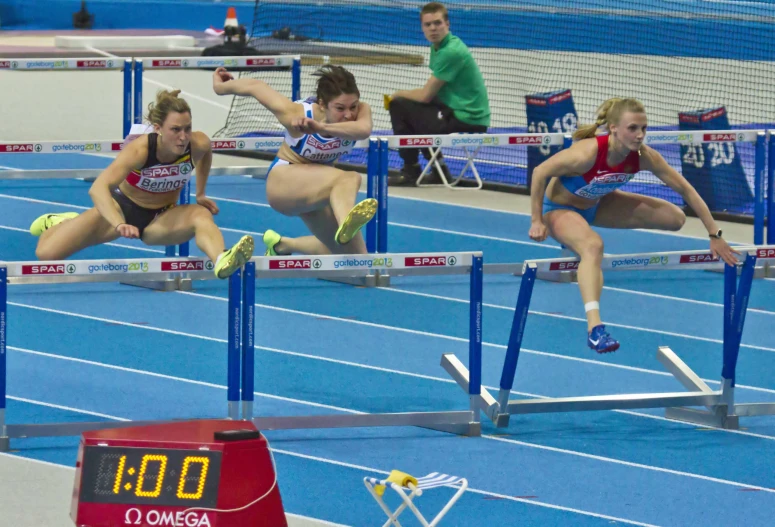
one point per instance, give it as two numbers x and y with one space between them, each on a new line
719 410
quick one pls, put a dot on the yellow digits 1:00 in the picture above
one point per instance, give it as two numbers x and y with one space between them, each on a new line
162 459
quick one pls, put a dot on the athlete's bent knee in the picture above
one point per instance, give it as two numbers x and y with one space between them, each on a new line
677 219
592 248
200 214
349 177
44 253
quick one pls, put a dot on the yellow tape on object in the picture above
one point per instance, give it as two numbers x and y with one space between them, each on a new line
386 101
401 479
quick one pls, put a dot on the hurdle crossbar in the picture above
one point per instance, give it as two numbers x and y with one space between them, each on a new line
720 409
763 172
89 271
463 422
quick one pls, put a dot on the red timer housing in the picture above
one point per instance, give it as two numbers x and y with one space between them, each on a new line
203 473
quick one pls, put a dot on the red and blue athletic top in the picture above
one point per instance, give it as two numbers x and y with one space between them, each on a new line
602 179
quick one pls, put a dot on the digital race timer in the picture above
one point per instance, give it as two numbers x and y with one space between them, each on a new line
182 474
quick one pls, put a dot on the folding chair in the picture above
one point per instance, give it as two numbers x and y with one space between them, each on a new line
433 162
401 482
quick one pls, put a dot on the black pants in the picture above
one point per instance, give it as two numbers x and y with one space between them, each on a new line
434 118
134 214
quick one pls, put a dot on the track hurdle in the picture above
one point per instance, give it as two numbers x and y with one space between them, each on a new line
721 411
128 271
378 165
692 140
463 422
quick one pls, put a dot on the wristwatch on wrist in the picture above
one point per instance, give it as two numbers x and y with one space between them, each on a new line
717 235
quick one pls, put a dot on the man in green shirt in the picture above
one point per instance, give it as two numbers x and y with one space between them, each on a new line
453 100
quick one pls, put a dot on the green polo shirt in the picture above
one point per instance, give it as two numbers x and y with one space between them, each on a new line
464 89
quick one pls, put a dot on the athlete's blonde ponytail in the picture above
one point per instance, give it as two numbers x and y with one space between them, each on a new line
610 111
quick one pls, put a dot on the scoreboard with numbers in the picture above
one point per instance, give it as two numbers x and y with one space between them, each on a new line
548 112
193 473
714 168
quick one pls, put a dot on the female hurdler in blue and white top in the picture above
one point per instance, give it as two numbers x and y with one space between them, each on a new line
586 192
302 180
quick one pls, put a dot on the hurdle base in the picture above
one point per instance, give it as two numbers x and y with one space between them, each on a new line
455 422
718 418
370 280
18 431
465 429
515 269
753 409
760 271
156 285
699 395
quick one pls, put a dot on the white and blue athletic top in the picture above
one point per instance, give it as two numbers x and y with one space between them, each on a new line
315 148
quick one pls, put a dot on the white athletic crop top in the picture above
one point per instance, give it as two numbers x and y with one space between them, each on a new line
315 148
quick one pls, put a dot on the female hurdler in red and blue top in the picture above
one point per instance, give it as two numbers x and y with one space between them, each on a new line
585 191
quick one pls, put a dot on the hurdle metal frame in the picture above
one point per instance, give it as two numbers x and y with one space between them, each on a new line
374 182
462 422
133 68
183 63
764 174
721 410
91 271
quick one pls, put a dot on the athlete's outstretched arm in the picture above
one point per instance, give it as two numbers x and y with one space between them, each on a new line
653 161
353 130
131 158
202 152
280 105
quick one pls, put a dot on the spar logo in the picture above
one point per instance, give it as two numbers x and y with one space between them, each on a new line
613 178
329 145
563 266
5 64
533 101
419 141
261 62
187 265
765 253
168 171
697 258
135 516
41 269
429 261
20 148
94 64
296 263
529 140
116 146
719 138
224 145
167 63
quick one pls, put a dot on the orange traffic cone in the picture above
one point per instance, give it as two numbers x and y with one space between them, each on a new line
231 18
